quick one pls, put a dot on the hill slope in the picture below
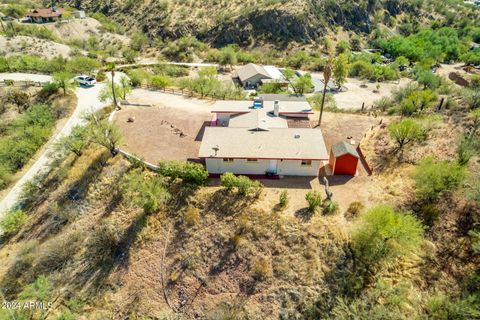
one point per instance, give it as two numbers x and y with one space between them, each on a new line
252 22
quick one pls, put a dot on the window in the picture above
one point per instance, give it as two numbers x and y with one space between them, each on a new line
228 160
252 160
306 163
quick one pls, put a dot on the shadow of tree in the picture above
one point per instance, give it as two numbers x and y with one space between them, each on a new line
304 214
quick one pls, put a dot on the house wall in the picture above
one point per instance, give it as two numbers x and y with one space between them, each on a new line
346 164
240 166
295 168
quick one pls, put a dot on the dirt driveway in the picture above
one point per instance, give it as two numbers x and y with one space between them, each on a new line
169 130
360 91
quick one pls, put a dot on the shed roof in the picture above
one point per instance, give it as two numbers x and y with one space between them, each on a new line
250 70
343 148
307 144
45 13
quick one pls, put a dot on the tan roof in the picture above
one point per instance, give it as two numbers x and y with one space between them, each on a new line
219 142
250 70
45 13
244 106
257 118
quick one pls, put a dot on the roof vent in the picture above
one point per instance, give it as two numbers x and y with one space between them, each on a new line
297 136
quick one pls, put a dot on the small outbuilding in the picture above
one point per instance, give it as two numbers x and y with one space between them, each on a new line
344 159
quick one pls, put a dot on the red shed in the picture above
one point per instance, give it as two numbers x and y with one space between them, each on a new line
344 159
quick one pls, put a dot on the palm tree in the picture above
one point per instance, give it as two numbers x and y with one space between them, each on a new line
111 68
327 74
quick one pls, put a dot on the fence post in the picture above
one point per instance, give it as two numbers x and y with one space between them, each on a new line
363 106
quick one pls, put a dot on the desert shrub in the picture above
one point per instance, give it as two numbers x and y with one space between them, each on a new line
262 268
5 175
108 24
138 76
160 82
12 222
170 70
244 185
191 216
148 193
434 177
39 290
355 208
48 89
101 76
406 131
384 103
283 199
330 207
247 186
429 213
417 101
102 243
187 171
228 180
314 200
56 252
227 311
384 234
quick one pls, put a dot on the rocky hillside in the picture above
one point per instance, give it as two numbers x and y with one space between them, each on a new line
252 22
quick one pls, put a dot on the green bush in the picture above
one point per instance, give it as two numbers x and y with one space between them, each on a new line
283 199
187 171
330 207
12 222
314 200
355 208
406 131
160 82
434 177
383 234
244 185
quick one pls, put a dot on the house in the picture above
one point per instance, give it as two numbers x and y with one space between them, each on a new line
344 159
254 138
45 15
252 75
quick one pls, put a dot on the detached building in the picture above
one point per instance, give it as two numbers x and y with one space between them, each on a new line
252 75
45 15
344 159
254 138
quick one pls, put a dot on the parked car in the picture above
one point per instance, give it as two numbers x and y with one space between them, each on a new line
85 81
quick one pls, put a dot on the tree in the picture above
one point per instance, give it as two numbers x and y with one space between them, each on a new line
228 57
75 142
405 131
302 84
428 79
107 94
79 65
111 69
63 79
19 98
105 134
340 70
126 86
327 74
433 177
383 234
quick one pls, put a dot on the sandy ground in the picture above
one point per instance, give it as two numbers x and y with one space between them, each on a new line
28 45
83 29
356 94
170 130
